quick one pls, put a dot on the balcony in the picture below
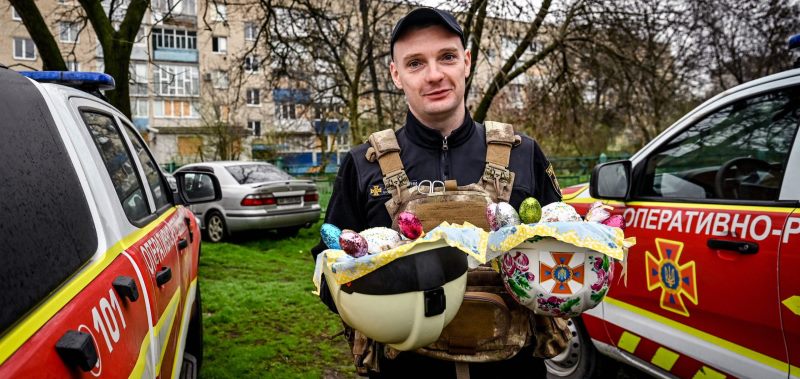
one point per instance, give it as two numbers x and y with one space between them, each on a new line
176 55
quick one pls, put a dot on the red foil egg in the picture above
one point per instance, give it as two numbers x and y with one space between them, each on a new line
353 244
409 225
616 221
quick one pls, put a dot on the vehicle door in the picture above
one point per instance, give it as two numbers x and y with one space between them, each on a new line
789 280
708 213
174 268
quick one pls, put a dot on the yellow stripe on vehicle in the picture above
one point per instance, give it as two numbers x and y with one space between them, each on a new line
664 358
708 373
647 204
164 327
724 344
629 342
35 320
186 317
793 303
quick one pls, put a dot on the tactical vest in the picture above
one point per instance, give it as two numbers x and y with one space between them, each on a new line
490 325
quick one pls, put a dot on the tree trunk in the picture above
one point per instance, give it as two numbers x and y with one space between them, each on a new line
40 34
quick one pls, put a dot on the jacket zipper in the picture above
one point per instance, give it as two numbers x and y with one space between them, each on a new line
445 169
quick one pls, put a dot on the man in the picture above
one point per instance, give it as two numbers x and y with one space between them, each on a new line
439 141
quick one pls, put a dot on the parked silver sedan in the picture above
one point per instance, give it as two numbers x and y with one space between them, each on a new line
256 196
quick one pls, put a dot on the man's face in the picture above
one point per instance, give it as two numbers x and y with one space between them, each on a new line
431 66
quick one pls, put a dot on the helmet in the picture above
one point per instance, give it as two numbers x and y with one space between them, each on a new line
406 303
555 278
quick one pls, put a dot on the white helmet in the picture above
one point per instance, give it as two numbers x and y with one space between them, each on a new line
406 303
555 278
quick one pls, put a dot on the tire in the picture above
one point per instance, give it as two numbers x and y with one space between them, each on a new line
578 360
216 230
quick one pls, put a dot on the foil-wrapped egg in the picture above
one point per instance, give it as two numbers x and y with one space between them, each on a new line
616 221
380 239
559 212
530 211
491 216
330 235
506 215
353 244
409 225
598 212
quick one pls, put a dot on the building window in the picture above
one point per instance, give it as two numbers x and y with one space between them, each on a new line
222 112
250 31
24 48
175 7
219 79
139 108
167 108
221 13
68 32
141 37
174 39
254 127
253 96
138 79
251 63
219 44
285 111
176 80
73 66
14 15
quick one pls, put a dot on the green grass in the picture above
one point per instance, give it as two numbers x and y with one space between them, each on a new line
259 315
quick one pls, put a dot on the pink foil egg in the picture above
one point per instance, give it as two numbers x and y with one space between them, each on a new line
616 221
409 225
353 244
491 216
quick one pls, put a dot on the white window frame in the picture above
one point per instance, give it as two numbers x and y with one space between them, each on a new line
14 15
138 79
73 65
220 12
222 44
140 104
25 41
286 110
253 97
178 39
249 61
175 80
158 109
250 31
251 125
220 79
69 28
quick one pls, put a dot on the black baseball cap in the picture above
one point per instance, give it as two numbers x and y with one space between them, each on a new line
422 16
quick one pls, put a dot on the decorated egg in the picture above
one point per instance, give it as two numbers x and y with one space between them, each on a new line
409 225
491 216
330 235
559 211
616 221
598 212
353 244
506 215
530 211
380 239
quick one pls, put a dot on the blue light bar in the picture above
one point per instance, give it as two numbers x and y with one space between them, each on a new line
94 80
794 41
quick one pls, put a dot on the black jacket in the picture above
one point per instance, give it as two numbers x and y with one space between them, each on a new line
358 197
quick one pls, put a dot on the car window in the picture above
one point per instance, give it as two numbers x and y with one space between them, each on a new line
151 170
737 153
46 228
119 164
257 173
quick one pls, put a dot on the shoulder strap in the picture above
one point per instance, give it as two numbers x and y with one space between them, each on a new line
385 149
496 177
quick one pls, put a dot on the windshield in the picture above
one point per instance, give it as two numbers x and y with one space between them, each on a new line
257 173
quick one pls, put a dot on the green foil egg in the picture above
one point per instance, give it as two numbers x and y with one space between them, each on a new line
530 211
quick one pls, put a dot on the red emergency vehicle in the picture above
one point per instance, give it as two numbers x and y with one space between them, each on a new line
99 257
711 289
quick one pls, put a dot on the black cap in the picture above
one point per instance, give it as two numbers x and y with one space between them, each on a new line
422 16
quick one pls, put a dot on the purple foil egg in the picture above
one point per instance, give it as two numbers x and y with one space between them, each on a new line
353 244
491 216
616 221
409 225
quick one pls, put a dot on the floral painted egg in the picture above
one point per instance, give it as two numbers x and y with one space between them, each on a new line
559 211
491 216
330 235
353 244
409 225
554 278
506 215
530 211
616 221
380 239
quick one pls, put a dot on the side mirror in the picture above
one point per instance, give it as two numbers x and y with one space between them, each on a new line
197 187
611 180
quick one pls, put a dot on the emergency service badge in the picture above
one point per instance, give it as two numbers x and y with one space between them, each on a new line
675 279
552 174
375 190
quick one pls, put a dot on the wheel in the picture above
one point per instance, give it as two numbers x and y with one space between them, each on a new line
578 360
215 227
193 354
